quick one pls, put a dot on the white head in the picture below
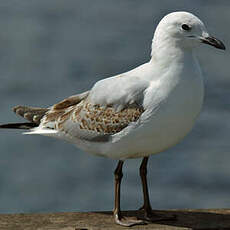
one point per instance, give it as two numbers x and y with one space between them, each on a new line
182 30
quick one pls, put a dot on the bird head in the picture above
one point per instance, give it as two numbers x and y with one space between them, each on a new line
184 30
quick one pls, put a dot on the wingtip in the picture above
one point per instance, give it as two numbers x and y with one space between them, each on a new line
26 125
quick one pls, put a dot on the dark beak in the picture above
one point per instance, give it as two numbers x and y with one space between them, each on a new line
213 42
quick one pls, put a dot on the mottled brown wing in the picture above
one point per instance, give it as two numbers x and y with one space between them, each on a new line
36 114
92 122
70 101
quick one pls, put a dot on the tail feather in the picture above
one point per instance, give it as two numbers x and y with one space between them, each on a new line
27 125
31 114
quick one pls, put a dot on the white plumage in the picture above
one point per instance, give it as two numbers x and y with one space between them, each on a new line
169 88
138 113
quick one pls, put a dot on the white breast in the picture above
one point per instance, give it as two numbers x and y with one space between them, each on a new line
172 104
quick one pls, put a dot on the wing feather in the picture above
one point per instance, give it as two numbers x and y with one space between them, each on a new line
91 122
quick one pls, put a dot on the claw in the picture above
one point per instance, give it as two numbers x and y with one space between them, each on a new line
127 221
152 217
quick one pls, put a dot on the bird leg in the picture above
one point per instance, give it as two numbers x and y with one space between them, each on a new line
143 173
149 215
119 219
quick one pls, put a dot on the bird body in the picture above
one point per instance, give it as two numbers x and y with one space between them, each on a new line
168 90
171 104
138 113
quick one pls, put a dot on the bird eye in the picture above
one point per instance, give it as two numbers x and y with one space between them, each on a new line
186 27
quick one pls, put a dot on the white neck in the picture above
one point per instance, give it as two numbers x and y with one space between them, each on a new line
167 49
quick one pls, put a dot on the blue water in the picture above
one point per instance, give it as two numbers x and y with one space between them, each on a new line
52 49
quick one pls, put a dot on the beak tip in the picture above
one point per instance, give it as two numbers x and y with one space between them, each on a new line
220 45
223 48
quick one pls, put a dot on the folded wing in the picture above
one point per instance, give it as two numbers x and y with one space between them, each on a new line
90 122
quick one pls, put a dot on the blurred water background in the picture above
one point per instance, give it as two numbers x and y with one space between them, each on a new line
51 49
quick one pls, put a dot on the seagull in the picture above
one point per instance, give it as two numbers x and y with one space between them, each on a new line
137 113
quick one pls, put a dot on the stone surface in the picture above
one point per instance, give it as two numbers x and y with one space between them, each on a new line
186 219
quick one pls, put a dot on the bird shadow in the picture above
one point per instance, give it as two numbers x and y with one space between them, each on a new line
193 219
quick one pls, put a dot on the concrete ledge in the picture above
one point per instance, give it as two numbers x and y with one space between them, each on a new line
186 219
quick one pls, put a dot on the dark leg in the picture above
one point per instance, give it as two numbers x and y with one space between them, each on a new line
149 215
117 211
143 173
